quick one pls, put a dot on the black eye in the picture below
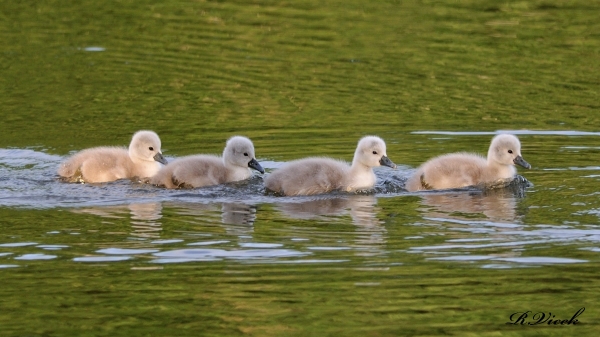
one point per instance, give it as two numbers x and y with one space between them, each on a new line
151 148
374 152
509 151
246 154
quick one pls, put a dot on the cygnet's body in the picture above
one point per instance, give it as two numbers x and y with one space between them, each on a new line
104 164
457 170
205 170
321 175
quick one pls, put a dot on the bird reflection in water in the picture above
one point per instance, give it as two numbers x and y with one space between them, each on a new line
370 234
496 205
495 202
145 220
475 220
145 217
237 218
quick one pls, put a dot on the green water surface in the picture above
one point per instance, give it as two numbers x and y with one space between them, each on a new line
301 78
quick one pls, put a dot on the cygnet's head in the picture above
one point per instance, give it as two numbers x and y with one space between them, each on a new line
371 152
145 145
505 149
239 151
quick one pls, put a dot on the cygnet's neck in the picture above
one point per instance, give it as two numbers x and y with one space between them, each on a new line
143 167
235 172
497 170
360 176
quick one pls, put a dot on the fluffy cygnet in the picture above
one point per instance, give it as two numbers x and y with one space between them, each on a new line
103 164
457 170
205 170
321 175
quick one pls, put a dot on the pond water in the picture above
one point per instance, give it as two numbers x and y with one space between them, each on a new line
300 79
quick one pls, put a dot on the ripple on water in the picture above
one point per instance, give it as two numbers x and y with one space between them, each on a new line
591 249
490 245
122 251
18 244
4 266
165 242
102 258
260 245
207 243
499 266
514 132
523 261
187 255
35 257
328 248
52 247
307 261
462 258
94 49
540 260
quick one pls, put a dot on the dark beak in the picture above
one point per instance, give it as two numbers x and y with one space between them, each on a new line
520 161
253 164
385 161
159 158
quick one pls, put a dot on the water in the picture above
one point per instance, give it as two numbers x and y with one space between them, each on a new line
300 79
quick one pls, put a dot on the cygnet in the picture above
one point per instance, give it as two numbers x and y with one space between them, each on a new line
205 170
457 170
104 164
316 175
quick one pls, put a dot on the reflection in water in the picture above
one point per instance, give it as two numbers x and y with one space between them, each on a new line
496 201
208 254
360 207
477 220
144 220
237 217
486 226
144 217
497 206
370 232
234 213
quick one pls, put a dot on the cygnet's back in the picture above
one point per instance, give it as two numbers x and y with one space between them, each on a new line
309 176
458 170
322 175
205 170
104 164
